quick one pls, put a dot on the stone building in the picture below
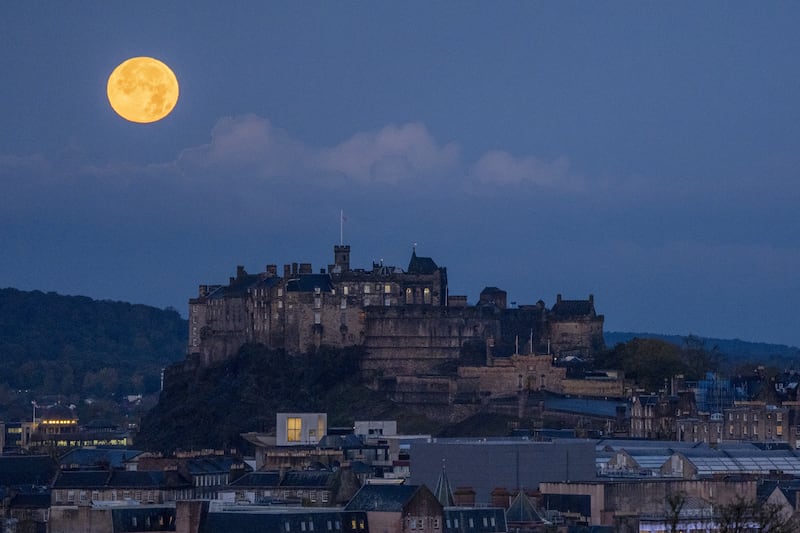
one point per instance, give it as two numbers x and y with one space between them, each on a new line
406 319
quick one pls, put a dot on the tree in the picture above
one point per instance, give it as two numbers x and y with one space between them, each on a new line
674 503
742 516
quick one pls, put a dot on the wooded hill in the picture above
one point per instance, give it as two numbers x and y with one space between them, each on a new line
78 348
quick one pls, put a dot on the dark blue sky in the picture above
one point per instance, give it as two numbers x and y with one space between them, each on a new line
645 152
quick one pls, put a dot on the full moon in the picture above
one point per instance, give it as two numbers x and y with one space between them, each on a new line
143 90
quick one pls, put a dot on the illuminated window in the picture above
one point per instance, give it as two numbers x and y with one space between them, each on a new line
293 428
387 289
409 296
366 289
426 295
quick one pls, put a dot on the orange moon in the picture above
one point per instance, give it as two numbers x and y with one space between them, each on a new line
143 90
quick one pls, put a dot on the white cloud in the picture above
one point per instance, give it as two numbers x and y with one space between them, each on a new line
390 155
246 143
498 167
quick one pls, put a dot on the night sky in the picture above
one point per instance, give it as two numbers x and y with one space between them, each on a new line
644 152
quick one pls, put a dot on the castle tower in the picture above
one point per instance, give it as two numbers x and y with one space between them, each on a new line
341 257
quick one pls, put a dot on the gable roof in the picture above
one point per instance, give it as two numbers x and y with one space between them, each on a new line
421 265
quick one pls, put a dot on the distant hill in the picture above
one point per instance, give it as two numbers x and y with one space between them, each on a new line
77 347
731 349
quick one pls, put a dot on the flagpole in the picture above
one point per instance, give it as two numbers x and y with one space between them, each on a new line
341 227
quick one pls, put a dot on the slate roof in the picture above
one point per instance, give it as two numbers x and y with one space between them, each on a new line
384 498
307 478
39 500
93 457
567 308
309 282
82 479
210 465
27 470
241 284
154 479
421 265
258 479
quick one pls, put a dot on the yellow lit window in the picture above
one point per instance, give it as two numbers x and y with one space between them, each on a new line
426 295
293 428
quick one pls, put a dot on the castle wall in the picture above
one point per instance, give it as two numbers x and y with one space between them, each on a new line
415 339
510 375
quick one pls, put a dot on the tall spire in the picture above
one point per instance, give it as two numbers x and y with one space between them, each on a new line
443 491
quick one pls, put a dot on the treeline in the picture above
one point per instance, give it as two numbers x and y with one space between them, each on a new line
650 363
77 347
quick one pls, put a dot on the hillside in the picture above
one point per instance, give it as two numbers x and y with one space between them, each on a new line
209 407
79 348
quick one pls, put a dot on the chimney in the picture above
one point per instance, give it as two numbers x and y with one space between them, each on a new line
272 270
294 269
305 268
500 498
287 271
558 298
464 497
240 273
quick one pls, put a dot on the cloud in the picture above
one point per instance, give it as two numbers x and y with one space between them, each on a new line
391 155
250 144
500 168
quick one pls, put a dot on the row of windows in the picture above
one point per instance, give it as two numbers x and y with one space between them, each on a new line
113 495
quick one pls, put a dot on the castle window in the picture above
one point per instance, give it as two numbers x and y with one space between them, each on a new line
366 288
343 304
426 295
317 318
346 290
387 289
293 428
409 296
317 302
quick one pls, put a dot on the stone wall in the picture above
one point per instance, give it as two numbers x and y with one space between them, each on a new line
611 388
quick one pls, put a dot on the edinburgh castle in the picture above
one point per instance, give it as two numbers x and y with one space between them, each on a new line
415 334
